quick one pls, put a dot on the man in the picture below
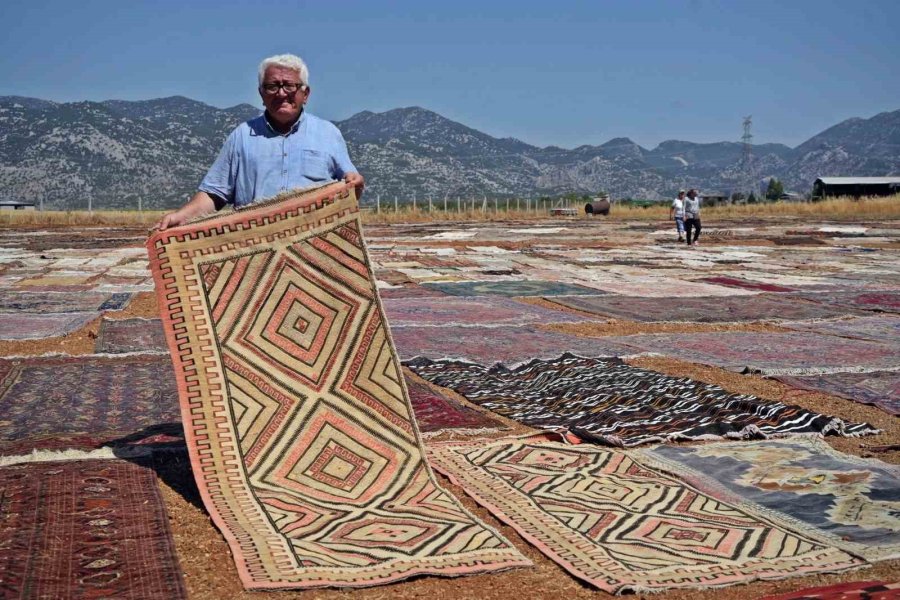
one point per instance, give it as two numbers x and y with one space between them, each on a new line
677 213
692 216
282 149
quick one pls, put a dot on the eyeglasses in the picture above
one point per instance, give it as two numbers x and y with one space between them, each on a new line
289 87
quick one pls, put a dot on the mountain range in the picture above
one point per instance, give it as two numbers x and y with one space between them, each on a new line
117 153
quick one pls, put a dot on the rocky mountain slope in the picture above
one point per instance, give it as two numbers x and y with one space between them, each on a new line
114 153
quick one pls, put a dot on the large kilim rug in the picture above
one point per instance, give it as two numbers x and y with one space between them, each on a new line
510 288
621 526
27 326
772 353
299 427
485 311
608 401
880 328
102 398
745 284
85 529
130 335
855 590
876 301
720 309
853 502
436 413
499 344
879 388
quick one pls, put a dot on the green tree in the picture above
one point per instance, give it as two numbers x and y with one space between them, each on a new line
774 190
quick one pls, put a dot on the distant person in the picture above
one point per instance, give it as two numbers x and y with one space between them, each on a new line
677 213
692 216
282 149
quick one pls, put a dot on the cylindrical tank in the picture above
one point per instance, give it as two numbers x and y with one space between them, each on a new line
599 206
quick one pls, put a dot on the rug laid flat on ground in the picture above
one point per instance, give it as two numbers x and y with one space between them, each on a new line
620 526
855 590
61 302
485 311
771 353
27 326
853 502
875 301
499 344
510 288
879 388
130 335
762 307
607 401
299 429
745 284
880 328
102 399
436 412
85 529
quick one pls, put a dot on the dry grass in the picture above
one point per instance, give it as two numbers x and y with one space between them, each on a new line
58 218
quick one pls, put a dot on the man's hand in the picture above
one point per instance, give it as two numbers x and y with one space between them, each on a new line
172 219
355 180
201 204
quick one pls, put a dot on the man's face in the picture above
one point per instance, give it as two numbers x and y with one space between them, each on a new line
283 108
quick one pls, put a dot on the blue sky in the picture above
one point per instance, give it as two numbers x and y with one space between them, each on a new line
563 73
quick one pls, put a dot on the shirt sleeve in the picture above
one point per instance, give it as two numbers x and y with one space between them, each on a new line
341 159
221 178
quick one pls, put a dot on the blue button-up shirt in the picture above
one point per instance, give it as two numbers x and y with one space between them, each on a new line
258 162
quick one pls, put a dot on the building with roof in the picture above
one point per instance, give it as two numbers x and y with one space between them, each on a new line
825 187
16 205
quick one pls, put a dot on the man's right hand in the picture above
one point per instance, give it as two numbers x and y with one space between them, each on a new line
172 219
201 204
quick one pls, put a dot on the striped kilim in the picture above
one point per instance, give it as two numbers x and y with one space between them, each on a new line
621 526
297 420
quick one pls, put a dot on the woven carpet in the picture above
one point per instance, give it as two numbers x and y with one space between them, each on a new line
298 425
879 388
130 335
771 353
745 284
101 399
25 326
855 590
61 302
85 529
510 288
499 344
875 301
486 311
620 526
436 412
852 502
880 328
762 307
607 401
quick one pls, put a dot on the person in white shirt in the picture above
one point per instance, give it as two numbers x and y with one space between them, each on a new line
692 216
677 213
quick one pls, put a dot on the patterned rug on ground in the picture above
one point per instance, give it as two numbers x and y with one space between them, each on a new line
855 590
762 307
25 326
436 413
608 401
772 353
880 328
85 529
89 401
486 311
875 301
298 424
61 302
879 388
130 335
853 502
499 344
510 288
745 284
623 527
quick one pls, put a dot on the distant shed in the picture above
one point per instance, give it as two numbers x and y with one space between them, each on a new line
16 205
825 187
714 198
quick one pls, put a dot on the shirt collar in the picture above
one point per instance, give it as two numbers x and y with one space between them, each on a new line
293 128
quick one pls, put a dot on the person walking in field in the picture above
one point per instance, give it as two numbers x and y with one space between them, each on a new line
677 213
692 216
282 149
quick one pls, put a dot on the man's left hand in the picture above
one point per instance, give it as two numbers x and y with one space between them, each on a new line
355 180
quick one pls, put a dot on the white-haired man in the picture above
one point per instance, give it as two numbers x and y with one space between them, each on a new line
282 149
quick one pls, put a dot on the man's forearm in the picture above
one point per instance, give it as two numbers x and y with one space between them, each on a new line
201 204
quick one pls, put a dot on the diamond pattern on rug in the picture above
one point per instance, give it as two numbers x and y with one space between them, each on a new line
130 335
89 400
85 529
25 326
878 388
485 311
852 502
607 401
299 430
613 522
510 288
436 412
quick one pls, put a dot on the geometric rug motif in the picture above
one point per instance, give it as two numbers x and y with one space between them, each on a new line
85 529
878 388
435 412
880 328
486 311
25 326
103 399
510 288
855 590
130 335
621 526
772 353
610 402
762 307
297 422
852 502
499 344
61 302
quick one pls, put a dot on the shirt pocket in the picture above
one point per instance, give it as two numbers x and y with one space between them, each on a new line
314 165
